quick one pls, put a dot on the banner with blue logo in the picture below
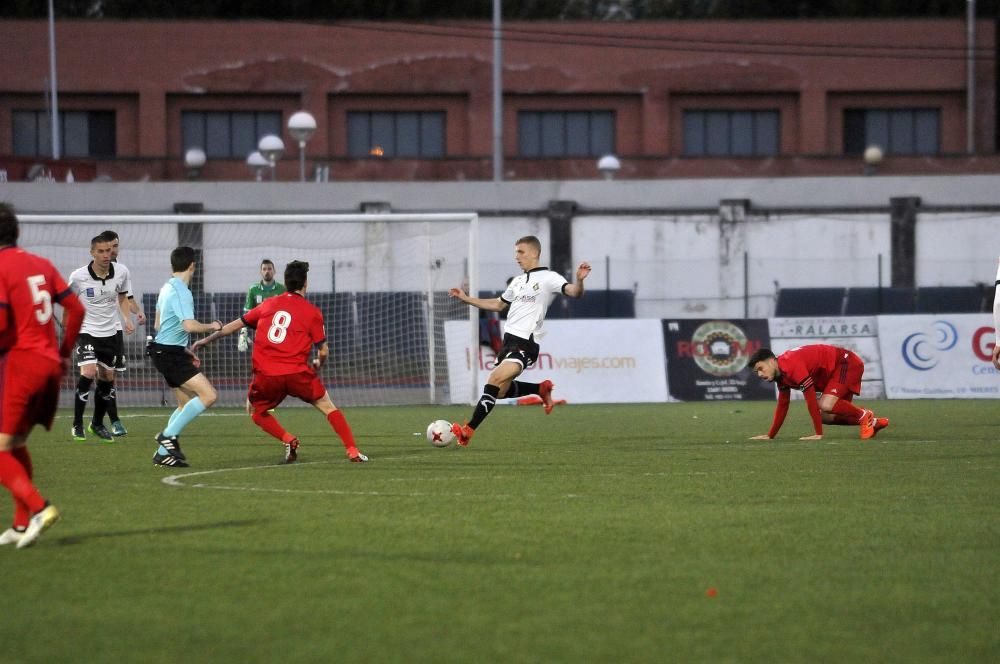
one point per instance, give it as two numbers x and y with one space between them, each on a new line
944 356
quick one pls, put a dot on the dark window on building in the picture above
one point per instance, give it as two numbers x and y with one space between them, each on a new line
565 133
723 133
401 134
902 131
81 134
227 134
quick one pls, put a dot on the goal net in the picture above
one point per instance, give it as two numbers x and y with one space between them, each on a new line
381 281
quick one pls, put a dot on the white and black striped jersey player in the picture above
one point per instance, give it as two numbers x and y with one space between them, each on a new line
103 288
527 299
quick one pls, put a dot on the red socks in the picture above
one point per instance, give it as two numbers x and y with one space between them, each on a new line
343 429
848 410
16 477
269 423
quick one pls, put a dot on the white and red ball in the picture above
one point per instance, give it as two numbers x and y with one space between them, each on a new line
439 433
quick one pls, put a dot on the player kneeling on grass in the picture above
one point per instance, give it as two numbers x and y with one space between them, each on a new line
288 326
836 372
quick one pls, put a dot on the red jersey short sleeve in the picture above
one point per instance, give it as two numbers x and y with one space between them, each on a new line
30 287
287 326
808 366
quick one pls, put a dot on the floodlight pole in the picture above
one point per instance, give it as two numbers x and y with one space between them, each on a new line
53 86
970 77
497 94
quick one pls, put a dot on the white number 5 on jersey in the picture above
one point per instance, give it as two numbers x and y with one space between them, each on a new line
42 298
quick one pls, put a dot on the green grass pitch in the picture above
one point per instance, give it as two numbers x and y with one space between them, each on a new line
594 534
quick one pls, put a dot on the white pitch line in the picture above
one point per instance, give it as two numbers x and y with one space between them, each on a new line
176 480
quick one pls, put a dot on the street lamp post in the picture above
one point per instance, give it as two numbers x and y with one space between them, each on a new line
271 147
302 126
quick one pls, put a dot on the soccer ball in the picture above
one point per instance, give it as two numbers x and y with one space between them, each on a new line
439 433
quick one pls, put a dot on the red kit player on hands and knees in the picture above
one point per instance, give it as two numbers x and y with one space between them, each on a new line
32 364
835 372
288 326
528 296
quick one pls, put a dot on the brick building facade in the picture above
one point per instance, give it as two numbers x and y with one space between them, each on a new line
405 101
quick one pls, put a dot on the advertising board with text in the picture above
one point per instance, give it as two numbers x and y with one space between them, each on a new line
944 356
855 333
589 360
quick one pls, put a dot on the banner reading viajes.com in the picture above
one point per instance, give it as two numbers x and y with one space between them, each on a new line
856 333
707 359
939 356
590 361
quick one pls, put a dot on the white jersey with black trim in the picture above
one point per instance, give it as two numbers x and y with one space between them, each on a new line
529 296
128 292
996 305
100 298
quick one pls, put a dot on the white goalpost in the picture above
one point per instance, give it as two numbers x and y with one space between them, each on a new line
381 281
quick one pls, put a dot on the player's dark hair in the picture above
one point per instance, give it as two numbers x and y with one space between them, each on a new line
759 355
267 261
98 239
295 275
8 225
181 258
532 242
109 235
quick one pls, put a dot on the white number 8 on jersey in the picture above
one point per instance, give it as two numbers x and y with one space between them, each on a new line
279 326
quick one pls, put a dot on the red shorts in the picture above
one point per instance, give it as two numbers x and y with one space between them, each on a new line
845 381
266 392
29 391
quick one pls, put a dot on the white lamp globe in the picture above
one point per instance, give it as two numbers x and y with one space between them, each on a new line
256 160
301 126
873 155
271 147
195 158
608 165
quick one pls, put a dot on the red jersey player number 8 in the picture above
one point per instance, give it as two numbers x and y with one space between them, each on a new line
279 326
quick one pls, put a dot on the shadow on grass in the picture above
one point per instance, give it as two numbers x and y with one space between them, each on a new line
72 540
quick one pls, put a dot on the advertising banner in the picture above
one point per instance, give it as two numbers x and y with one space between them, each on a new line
707 359
938 356
856 333
589 360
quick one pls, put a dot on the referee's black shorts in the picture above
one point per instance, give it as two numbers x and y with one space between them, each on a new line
174 363
516 349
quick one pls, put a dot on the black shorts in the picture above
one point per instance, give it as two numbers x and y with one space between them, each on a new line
516 349
174 363
120 364
97 350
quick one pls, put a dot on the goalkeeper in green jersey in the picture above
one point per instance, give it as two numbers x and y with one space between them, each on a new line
258 292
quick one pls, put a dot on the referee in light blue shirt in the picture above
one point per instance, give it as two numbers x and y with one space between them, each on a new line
175 323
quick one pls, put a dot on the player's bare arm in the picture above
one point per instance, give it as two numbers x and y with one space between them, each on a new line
231 327
134 307
492 304
322 353
195 327
576 289
125 314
